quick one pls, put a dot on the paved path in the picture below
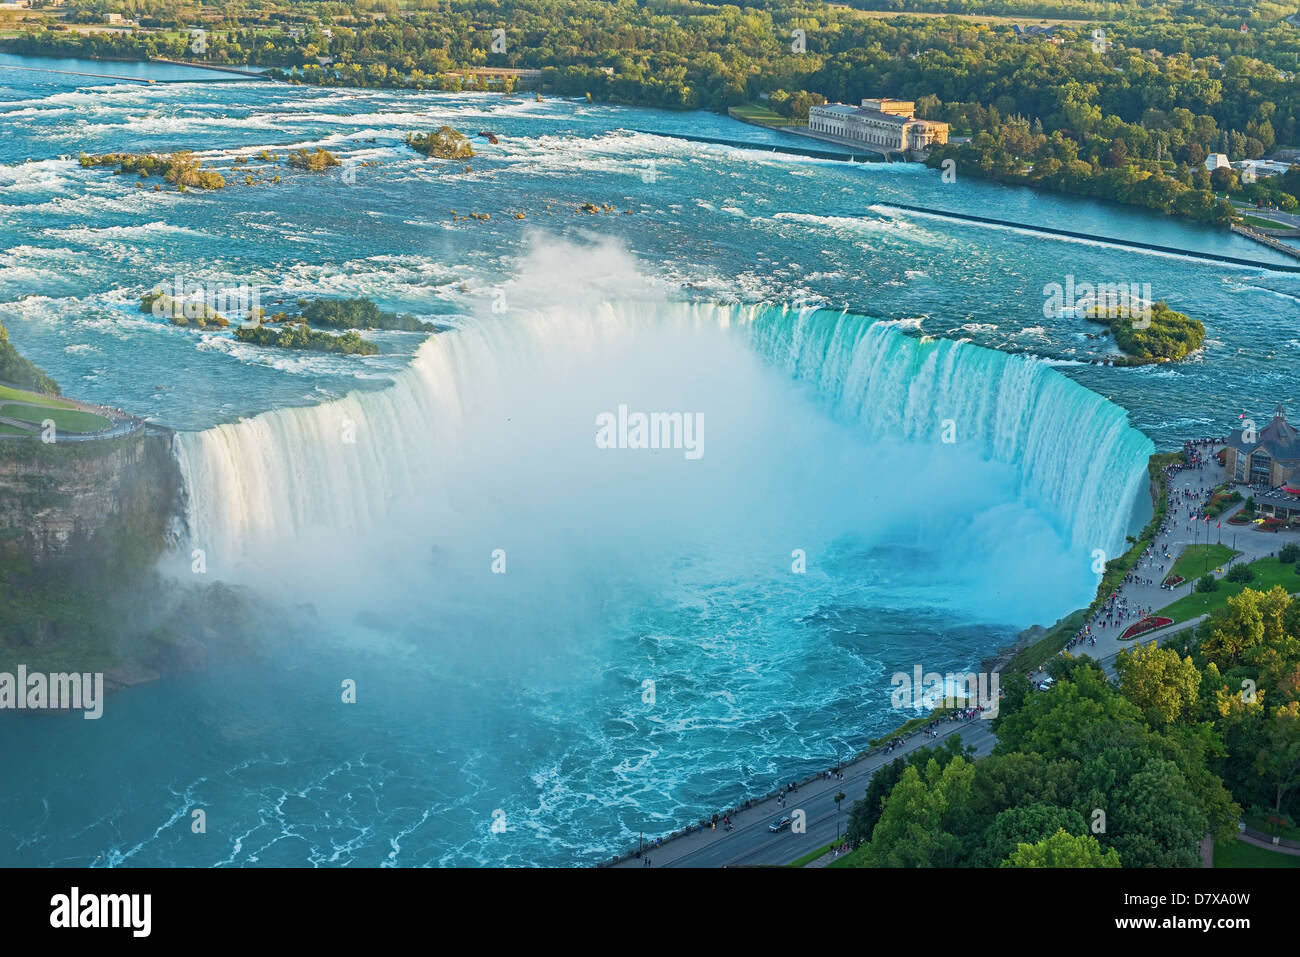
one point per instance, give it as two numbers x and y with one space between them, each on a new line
1181 531
1267 844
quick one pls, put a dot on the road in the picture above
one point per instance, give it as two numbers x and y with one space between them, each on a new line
751 843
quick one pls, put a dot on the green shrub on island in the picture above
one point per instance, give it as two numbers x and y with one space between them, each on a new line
442 143
359 314
1289 554
298 335
315 160
1166 336
182 168
197 314
1207 583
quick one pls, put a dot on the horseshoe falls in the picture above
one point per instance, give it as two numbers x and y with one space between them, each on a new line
498 588
493 424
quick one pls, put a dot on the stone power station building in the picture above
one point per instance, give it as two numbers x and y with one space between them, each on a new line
889 126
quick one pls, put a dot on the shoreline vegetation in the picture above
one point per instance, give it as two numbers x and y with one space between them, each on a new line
21 372
1131 117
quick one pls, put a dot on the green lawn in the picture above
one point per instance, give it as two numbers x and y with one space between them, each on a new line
66 420
10 430
1263 223
812 855
1241 854
21 395
1268 572
1192 562
756 113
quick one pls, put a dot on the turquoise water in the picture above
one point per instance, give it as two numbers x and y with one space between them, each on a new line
524 692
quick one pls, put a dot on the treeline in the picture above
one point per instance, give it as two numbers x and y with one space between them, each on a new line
1092 773
690 54
1132 122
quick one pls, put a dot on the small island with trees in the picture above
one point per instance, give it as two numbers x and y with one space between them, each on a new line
295 331
199 315
182 169
298 330
313 160
442 143
1166 336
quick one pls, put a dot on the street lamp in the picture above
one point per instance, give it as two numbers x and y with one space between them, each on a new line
838 798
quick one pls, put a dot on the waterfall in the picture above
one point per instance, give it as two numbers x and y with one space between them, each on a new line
354 466
1077 456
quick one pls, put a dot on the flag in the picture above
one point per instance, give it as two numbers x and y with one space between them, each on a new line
1219 525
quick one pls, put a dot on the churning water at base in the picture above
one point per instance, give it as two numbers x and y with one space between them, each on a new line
500 589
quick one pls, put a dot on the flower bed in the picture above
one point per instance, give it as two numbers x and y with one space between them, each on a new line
1173 581
1271 524
1149 623
1240 519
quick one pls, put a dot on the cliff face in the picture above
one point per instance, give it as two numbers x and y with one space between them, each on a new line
87 502
82 525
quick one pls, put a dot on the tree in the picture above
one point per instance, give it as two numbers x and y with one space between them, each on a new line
1240 573
1117 155
1063 850
1026 824
922 824
1248 620
866 812
1158 682
1279 763
1153 817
